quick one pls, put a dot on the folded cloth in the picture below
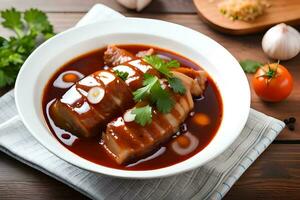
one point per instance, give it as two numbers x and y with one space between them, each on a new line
211 181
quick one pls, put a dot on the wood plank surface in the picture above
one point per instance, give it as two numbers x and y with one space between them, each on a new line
156 6
19 181
279 12
275 175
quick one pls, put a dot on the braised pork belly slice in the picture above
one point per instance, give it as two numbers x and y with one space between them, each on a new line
125 140
75 113
121 60
91 103
114 55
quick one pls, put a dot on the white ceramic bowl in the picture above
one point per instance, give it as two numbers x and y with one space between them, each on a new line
216 60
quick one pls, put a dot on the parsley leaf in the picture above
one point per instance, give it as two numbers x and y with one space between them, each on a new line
143 115
161 98
37 22
2 41
5 79
173 64
161 65
149 82
123 75
29 28
177 85
12 20
250 66
153 91
164 68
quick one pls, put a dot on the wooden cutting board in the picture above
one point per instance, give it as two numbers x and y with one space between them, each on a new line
287 11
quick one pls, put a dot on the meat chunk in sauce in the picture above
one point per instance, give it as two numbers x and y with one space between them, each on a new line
114 56
75 113
125 140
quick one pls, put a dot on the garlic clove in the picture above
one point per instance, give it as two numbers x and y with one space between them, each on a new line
138 5
281 42
95 95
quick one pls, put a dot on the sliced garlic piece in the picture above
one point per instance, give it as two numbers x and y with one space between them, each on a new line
95 95
129 116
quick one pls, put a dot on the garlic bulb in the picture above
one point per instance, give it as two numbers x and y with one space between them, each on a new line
137 5
281 42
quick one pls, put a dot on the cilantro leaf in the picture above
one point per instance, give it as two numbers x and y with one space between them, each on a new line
143 115
161 99
164 68
250 66
152 90
37 22
2 41
148 83
173 64
12 20
176 85
29 27
123 75
161 65
5 79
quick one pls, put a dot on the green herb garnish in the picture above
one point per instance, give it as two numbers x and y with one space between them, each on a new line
143 115
176 85
161 65
153 91
250 66
164 68
123 75
31 28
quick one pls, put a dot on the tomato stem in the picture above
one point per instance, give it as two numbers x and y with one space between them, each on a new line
270 73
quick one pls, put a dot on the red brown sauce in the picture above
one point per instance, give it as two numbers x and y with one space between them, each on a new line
197 136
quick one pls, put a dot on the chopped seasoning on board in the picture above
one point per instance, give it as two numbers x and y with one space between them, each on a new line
246 10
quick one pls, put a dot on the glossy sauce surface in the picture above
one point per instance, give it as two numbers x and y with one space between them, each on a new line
195 134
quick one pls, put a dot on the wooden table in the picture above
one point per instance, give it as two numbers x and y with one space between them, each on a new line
275 174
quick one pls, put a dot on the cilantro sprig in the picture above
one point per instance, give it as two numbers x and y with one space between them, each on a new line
164 67
143 115
153 92
30 28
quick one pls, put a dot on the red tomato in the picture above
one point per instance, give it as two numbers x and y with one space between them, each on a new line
272 82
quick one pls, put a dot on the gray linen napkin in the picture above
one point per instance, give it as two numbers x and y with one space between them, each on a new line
211 181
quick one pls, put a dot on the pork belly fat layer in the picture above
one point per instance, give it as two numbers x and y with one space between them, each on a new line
121 60
75 113
126 141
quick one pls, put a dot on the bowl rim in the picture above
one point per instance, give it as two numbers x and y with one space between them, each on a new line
141 174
